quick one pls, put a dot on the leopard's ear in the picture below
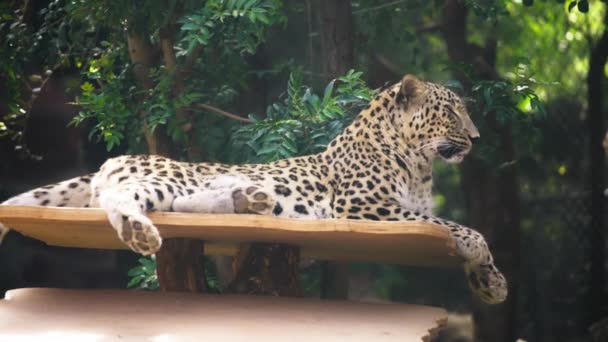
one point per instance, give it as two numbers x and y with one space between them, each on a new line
412 88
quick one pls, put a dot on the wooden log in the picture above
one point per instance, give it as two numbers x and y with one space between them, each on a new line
180 265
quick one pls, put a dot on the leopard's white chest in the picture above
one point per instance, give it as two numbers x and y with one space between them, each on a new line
416 197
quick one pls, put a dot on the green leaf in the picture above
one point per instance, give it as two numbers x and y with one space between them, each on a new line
329 89
147 262
267 149
135 281
135 271
290 146
87 88
454 84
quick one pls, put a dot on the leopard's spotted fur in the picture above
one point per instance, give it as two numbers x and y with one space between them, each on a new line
379 168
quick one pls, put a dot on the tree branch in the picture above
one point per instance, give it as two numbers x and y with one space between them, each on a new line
140 52
430 28
166 46
389 65
379 7
223 113
191 59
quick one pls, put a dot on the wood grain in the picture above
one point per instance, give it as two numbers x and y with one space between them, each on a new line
410 243
180 266
121 315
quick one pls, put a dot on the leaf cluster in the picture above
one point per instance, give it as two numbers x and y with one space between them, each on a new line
237 25
497 104
216 31
112 103
144 277
12 122
490 10
304 122
30 51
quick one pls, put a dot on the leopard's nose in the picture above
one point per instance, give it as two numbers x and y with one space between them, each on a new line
474 139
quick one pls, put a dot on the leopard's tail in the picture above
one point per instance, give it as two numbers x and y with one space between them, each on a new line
75 192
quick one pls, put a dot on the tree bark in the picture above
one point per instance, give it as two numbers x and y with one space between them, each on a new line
180 265
492 194
336 33
337 57
273 268
142 57
267 269
595 87
177 89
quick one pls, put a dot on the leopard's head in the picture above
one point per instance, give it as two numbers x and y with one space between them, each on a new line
434 119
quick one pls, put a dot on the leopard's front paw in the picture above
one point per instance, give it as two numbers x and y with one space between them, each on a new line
140 235
487 282
483 277
471 246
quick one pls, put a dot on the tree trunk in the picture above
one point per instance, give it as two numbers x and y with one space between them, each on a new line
180 265
492 194
337 57
492 203
273 268
595 87
140 51
178 73
267 269
336 33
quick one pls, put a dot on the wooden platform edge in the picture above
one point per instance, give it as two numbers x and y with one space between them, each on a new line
124 315
440 324
405 242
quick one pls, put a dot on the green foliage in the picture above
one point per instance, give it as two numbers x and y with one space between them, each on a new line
397 38
143 276
490 10
90 36
49 46
217 30
509 102
566 44
51 43
233 25
142 16
493 9
502 97
12 122
213 282
305 122
109 107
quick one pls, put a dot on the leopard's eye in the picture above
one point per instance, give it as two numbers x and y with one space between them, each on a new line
457 119
453 112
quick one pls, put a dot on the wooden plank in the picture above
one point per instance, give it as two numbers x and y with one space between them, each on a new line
121 315
411 243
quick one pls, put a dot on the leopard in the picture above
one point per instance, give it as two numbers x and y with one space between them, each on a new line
378 168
